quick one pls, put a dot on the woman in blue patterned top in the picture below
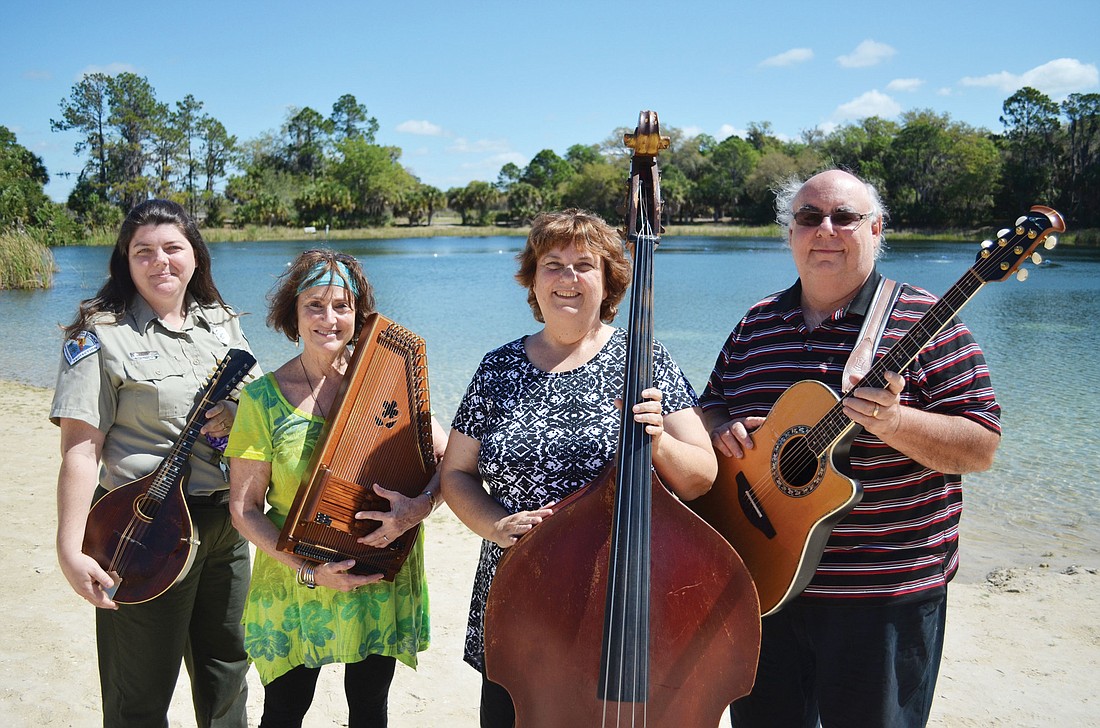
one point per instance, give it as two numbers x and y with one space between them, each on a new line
539 419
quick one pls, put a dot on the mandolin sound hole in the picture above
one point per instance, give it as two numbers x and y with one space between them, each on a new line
798 469
146 507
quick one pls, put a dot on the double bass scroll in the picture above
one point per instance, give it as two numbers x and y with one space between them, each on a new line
379 431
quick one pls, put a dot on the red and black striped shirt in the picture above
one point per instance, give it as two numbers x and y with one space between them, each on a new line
901 541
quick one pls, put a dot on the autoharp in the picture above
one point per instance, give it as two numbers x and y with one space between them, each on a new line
379 431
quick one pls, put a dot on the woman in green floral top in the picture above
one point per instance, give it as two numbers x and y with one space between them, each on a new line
300 616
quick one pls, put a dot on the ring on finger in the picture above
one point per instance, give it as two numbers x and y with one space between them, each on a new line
875 412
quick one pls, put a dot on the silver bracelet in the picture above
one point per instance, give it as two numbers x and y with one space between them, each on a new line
306 576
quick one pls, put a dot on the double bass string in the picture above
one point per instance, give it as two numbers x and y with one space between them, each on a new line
626 634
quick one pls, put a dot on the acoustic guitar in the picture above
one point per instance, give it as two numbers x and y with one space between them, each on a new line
778 504
141 532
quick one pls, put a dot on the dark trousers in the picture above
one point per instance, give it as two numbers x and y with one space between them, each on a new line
497 709
849 666
366 684
198 621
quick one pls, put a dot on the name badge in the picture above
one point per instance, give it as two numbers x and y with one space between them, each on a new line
144 355
221 334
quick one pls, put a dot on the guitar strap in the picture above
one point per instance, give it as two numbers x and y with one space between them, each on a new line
874 324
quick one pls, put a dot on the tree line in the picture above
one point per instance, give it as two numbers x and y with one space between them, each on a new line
327 169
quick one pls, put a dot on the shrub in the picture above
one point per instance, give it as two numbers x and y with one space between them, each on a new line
25 262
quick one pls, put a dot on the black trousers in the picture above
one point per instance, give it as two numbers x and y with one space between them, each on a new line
197 621
847 666
366 684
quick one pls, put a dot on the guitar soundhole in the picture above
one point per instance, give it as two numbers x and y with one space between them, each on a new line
796 469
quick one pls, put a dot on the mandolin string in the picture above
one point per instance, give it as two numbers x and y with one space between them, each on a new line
834 423
137 527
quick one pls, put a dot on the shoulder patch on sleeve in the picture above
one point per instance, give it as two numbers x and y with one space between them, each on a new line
79 346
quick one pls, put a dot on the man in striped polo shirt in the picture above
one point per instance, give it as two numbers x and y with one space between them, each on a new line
861 645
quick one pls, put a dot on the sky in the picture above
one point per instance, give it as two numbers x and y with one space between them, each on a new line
464 88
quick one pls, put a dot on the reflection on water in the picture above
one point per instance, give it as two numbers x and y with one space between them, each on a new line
1039 337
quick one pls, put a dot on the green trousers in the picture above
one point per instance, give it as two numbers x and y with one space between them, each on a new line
197 621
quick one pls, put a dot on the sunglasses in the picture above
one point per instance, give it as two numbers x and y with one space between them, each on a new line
841 219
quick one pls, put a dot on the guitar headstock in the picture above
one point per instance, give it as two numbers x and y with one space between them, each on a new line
231 370
1002 257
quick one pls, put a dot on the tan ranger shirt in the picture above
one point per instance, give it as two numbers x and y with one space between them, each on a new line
140 385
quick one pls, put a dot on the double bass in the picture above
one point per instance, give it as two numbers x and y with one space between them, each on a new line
624 608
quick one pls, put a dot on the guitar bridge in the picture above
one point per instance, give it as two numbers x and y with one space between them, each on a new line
752 508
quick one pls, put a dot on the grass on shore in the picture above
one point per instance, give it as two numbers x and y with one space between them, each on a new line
25 262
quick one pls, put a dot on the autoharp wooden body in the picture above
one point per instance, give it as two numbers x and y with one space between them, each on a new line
379 431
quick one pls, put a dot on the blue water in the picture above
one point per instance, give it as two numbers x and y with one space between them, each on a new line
1038 504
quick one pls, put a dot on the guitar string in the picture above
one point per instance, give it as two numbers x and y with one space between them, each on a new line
835 422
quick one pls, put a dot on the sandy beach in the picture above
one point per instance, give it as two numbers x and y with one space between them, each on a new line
1023 639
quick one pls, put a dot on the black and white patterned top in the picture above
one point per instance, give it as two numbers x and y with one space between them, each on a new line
544 435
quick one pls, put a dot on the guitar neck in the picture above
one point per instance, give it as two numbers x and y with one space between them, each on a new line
835 424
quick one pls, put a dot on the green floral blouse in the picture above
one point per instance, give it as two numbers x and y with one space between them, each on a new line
287 624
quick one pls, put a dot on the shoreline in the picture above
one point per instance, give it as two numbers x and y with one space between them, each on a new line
1022 649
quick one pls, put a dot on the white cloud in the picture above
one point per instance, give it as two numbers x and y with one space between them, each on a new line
691 131
488 168
789 58
420 127
1057 77
905 84
872 103
111 69
867 53
37 74
463 145
945 91
727 130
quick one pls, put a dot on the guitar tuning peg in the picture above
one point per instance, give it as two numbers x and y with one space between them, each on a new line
1020 220
1003 232
1021 275
986 244
1036 258
1050 242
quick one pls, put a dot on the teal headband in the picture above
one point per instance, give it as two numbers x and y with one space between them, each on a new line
322 275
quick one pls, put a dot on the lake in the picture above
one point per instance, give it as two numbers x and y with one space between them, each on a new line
1039 503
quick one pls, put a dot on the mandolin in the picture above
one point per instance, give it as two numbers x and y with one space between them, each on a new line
141 532
778 504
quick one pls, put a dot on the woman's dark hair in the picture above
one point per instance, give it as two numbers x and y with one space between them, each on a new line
282 312
584 231
119 289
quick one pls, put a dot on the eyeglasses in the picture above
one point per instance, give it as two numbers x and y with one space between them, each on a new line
841 219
